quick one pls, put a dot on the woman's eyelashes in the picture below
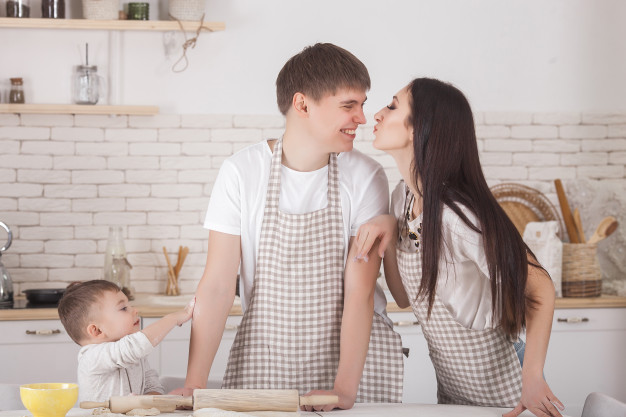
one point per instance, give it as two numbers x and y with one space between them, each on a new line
391 106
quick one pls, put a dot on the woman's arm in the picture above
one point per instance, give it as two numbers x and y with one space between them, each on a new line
536 394
214 299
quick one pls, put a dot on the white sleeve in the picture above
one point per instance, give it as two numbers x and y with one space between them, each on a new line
127 351
224 212
466 243
372 201
151 378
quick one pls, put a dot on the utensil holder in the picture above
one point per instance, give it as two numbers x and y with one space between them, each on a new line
582 276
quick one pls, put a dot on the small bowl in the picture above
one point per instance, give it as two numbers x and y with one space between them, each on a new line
49 400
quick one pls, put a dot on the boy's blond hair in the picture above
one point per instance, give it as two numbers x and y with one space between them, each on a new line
76 305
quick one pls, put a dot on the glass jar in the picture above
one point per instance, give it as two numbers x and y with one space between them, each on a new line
16 94
116 266
86 84
54 9
138 11
18 8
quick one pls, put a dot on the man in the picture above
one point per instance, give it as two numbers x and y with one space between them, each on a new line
286 212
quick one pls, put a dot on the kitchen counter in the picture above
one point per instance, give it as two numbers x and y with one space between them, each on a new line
156 305
359 410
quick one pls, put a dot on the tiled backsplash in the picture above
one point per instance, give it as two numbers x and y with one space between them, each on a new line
65 179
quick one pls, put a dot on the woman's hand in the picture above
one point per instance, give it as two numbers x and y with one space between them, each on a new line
345 401
538 399
381 227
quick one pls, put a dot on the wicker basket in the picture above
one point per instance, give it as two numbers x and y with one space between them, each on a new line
101 9
186 9
524 205
582 276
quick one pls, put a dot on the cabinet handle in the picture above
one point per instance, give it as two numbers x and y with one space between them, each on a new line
405 323
573 320
56 331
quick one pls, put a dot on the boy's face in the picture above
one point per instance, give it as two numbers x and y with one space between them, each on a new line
116 318
335 118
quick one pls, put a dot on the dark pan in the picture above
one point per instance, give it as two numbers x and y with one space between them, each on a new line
44 295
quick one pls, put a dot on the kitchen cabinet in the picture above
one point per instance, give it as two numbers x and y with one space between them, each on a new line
586 354
36 351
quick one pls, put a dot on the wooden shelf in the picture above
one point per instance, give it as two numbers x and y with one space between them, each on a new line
78 109
145 25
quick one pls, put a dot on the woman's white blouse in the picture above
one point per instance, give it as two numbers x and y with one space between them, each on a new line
463 284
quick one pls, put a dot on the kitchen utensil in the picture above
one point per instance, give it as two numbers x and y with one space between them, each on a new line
225 399
524 204
44 295
579 226
566 212
6 284
172 284
606 227
49 400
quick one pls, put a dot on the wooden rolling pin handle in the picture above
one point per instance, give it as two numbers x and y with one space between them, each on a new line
164 401
319 399
94 404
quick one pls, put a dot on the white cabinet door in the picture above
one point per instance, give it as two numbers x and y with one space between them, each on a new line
420 383
170 357
36 351
587 354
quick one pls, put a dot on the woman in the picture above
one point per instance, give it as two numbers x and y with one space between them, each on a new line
471 281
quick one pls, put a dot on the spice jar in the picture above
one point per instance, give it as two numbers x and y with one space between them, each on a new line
16 94
18 8
54 9
138 11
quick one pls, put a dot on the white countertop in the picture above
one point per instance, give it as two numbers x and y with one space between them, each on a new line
359 410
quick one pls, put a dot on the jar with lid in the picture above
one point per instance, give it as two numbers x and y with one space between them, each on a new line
16 94
86 84
18 8
53 9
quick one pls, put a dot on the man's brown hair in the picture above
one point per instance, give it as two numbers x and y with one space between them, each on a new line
318 70
75 307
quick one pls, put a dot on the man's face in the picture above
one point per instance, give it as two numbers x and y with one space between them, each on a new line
335 118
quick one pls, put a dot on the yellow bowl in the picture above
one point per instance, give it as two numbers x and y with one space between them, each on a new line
49 400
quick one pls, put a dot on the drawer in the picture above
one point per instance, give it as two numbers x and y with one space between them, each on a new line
34 331
585 319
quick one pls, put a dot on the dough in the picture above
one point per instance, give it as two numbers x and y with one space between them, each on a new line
143 412
105 412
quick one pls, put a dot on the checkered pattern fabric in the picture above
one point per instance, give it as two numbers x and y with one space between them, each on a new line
290 333
473 367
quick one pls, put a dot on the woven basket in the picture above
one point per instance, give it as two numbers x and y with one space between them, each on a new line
582 276
101 9
186 9
524 205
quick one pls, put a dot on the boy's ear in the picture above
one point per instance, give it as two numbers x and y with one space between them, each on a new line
93 331
299 104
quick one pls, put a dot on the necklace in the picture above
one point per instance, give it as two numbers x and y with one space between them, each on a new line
412 235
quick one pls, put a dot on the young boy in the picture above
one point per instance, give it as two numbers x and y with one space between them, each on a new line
286 211
112 361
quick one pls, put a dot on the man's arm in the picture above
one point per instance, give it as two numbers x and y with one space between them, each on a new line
214 299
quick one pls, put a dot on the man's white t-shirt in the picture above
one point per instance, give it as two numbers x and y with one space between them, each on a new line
238 201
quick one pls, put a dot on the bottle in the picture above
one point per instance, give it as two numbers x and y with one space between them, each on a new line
86 84
116 266
54 9
18 8
6 285
16 95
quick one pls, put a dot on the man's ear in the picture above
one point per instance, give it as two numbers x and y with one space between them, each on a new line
299 104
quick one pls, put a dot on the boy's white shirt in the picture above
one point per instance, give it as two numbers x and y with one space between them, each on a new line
116 368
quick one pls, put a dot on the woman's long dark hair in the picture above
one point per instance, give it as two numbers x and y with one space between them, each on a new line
447 162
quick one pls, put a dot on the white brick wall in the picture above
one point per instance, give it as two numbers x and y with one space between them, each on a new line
65 179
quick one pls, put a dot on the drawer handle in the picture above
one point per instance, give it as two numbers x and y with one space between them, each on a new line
573 320
231 327
55 331
405 323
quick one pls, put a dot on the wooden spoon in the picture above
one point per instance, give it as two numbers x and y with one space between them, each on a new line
606 227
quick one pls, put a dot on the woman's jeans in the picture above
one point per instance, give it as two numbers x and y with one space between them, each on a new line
520 347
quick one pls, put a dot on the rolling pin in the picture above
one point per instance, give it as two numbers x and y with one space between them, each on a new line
225 399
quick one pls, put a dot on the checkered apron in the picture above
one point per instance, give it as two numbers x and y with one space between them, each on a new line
473 367
290 333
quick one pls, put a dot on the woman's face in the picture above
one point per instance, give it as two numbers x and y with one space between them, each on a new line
392 130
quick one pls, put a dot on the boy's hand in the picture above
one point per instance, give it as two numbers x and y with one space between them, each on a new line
185 314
